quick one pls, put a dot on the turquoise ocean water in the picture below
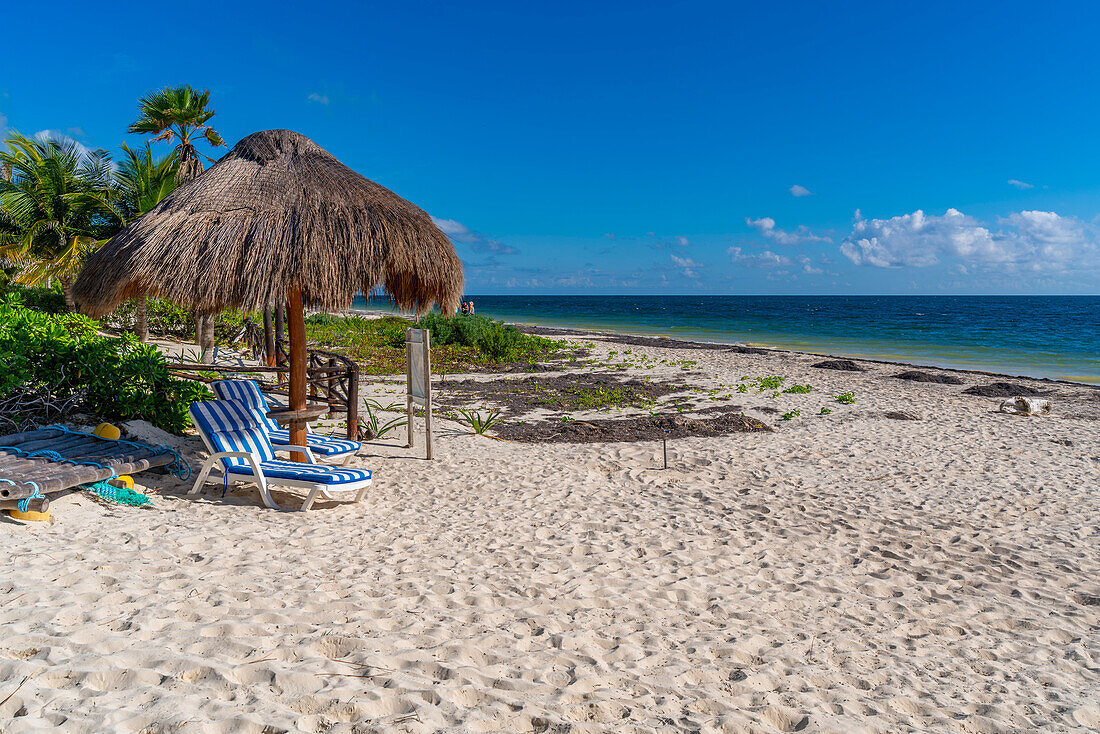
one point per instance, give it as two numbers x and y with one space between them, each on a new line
1039 336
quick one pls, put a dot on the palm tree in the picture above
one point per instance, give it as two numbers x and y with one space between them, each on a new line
56 207
142 183
179 115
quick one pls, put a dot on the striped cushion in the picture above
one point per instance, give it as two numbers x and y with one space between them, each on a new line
305 472
232 426
246 391
323 445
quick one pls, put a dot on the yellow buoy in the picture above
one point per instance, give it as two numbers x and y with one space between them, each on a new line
106 430
30 515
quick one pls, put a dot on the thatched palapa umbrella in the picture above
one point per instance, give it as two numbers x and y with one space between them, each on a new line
276 219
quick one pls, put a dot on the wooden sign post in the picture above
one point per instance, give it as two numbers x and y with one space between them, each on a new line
418 371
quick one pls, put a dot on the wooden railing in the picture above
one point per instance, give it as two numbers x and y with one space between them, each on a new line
330 378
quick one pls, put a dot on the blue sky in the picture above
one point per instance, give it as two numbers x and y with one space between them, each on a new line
675 147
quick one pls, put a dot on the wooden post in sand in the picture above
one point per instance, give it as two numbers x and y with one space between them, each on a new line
295 316
418 375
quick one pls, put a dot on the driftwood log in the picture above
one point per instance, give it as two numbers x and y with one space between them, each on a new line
96 460
38 504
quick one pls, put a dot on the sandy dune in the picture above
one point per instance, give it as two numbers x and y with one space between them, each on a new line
846 573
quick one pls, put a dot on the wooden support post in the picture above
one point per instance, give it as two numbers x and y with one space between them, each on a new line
353 404
330 384
296 328
428 392
408 389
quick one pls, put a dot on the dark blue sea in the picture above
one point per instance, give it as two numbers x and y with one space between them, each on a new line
1039 336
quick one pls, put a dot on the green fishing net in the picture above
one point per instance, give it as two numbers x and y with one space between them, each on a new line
119 495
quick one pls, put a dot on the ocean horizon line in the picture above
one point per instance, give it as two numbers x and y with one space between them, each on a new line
1018 335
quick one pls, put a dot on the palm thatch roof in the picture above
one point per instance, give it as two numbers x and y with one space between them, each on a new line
275 213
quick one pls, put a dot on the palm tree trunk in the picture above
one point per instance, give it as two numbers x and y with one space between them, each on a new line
198 328
269 338
141 318
67 289
206 344
280 334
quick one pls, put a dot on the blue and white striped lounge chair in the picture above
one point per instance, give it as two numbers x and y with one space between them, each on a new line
235 435
248 391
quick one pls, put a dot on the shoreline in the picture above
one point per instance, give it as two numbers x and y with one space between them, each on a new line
676 342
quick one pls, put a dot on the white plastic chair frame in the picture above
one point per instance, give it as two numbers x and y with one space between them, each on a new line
360 488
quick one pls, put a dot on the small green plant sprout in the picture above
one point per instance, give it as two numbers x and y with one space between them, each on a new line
825 411
373 426
742 387
846 397
800 389
567 418
792 414
480 424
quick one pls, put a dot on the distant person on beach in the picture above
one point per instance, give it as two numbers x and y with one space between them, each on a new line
470 307
465 308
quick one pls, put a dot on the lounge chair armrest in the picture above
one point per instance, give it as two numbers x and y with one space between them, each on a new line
294 447
230 454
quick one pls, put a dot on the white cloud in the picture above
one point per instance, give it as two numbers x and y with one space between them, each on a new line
3 125
797 191
765 259
451 227
318 98
479 242
1029 239
808 266
677 241
1020 184
766 227
686 265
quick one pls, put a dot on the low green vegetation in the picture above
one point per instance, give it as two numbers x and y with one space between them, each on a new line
55 364
373 426
459 342
762 384
478 423
799 389
825 411
593 398
166 319
789 416
846 398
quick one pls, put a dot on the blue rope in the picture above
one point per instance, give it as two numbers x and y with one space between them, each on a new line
26 501
179 467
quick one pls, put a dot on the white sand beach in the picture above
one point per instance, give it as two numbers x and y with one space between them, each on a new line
845 573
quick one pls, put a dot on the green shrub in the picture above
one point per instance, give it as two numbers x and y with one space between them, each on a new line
47 300
163 318
62 356
498 341
166 319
